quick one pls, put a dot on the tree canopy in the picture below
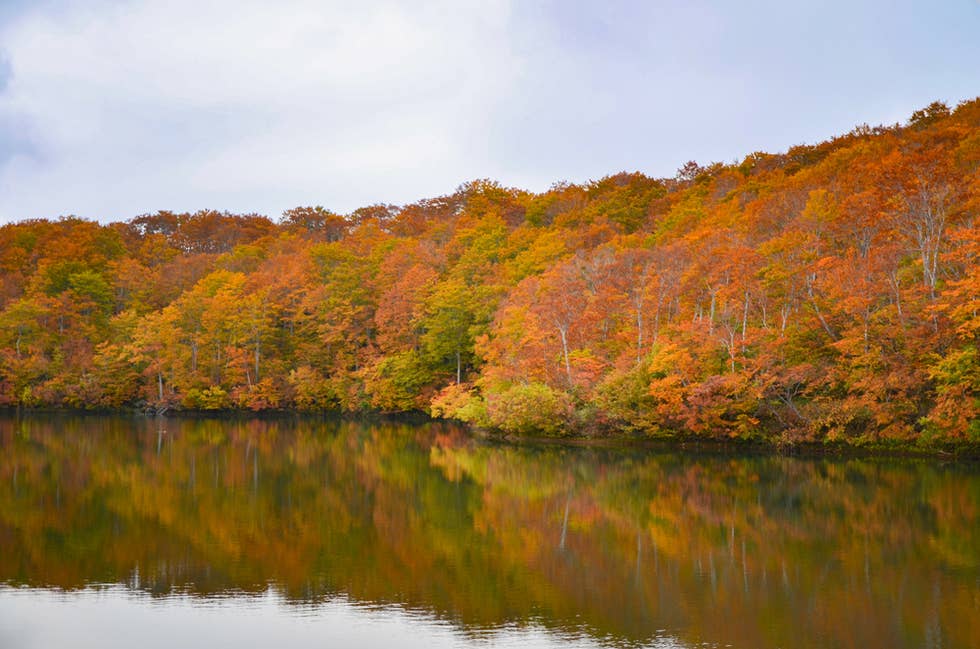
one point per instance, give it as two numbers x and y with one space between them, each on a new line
828 293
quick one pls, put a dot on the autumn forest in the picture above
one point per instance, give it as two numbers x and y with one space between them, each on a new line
826 294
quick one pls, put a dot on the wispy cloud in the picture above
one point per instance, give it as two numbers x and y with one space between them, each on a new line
111 108
183 103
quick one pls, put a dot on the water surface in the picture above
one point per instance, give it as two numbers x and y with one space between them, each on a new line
120 532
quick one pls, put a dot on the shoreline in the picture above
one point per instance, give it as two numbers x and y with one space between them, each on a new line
943 452
708 446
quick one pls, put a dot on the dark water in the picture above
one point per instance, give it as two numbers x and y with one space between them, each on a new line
120 532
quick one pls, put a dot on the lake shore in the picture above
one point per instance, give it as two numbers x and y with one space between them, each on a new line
607 438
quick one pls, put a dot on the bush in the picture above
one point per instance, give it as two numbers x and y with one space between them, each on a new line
532 408
212 398
460 402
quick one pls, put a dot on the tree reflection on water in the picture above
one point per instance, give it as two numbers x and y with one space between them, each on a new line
616 544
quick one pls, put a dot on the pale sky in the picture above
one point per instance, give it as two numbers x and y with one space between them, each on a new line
114 108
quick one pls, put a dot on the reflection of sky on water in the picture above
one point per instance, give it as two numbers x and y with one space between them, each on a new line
114 616
424 533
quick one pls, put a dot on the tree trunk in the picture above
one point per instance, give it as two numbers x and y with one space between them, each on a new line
563 332
639 334
258 347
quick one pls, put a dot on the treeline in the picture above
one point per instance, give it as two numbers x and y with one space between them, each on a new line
827 293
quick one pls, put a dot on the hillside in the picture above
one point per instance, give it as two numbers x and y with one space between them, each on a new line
829 293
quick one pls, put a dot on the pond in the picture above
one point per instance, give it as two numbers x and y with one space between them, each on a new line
128 531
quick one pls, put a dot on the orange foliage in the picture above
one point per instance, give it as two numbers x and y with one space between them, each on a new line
828 293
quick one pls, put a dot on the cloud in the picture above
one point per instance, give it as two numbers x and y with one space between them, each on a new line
144 106
112 108
5 72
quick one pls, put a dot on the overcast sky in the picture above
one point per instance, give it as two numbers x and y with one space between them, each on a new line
114 108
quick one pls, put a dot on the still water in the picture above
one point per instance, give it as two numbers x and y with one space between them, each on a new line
121 532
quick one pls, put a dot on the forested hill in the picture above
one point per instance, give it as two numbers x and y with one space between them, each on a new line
827 293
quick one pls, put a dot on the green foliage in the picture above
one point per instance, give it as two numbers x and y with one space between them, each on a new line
56 277
932 113
92 287
527 409
625 198
397 382
210 398
625 397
